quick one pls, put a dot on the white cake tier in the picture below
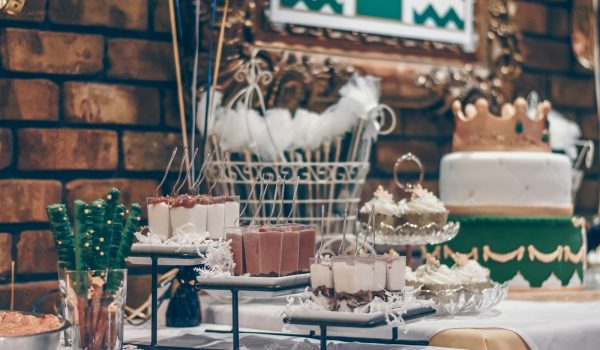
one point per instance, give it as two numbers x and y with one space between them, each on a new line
506 183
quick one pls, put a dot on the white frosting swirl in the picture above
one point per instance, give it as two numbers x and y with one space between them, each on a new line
382 203
471 272
410 275
423 201
434 275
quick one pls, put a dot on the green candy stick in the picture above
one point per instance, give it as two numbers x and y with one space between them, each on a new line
99 254
63 236
83 233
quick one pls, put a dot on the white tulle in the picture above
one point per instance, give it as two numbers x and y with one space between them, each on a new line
239 129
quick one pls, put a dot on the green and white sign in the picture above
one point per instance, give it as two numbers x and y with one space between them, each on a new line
449 21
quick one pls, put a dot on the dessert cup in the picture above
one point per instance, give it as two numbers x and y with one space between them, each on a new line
321 281
216 218
237 250
251 243
396 273
159 219
290 252
232 211
352 278
307 242
270 251
379 281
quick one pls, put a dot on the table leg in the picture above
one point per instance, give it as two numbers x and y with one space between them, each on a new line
395 333
235 322
323 337
409 251
154 309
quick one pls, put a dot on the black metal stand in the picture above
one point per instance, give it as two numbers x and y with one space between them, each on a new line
323 337
173 260
411 315
235 291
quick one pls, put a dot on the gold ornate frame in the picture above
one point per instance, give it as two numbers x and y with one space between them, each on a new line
310 64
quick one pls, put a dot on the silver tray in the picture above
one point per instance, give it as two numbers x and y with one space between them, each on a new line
40 341
465 300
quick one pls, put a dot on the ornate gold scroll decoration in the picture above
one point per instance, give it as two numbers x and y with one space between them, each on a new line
502 258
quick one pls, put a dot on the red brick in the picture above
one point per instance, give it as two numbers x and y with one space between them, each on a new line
573 92
543 54
111 104
560 25
36 252
26 200
28 99
149 150
162 21
531 17
131 14
587 197
27 294
140 59
36 51
170 109
388 151
532 82
6 148
132 191
67 149
33 11
5 254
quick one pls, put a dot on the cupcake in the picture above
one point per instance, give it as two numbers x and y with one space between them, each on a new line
423 208
411 279
470 273
385 210
437 277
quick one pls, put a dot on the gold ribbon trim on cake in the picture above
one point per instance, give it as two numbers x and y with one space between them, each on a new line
502 258
543 257
448 253
574 258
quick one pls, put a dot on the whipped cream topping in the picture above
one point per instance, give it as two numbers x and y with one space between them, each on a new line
423 201
437 274
410 275
382 203
471 272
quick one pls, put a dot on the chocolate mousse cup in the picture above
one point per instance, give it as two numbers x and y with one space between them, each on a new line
290 250
307 243
237 249
251 241
270 249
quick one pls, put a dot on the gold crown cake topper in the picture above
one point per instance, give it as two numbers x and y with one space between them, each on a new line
477 129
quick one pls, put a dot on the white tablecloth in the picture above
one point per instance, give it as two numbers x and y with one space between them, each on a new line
544 326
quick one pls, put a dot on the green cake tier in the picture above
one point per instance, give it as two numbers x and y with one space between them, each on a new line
535 247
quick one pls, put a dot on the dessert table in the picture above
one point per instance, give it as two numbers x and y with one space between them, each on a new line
510 325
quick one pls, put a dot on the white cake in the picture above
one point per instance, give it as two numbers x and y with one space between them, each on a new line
506 183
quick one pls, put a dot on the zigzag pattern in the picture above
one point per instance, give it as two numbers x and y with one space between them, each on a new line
314 5
441 22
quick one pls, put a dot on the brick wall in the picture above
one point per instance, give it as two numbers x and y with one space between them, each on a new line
86 103
85 97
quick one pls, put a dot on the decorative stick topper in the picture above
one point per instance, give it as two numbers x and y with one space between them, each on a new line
408 157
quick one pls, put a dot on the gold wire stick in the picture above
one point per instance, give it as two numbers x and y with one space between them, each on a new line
179 89
12 285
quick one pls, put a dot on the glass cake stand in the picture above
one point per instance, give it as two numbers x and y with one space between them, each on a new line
408 234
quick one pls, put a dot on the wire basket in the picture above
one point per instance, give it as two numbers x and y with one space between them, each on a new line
311 189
